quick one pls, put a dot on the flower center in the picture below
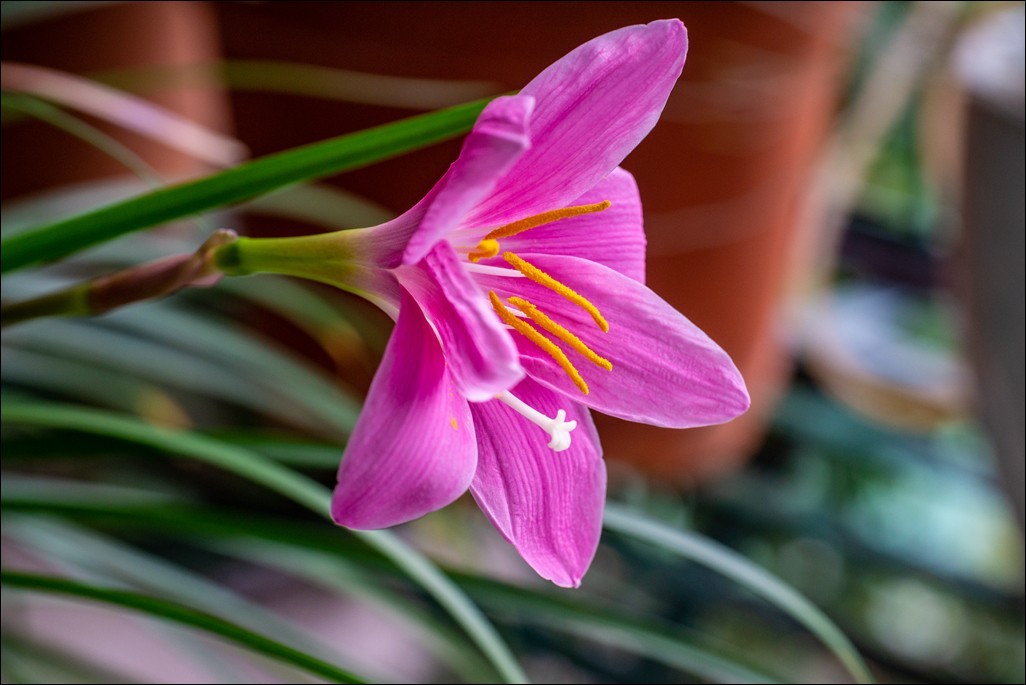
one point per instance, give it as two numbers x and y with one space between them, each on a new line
525 315
526 318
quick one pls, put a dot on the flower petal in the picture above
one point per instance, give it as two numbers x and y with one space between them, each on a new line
593 107
666 371
614 237
413 450
498 139
479 351
547 504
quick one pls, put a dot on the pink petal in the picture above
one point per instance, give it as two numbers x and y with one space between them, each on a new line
413 450
480 354
547 504
498 139
593 107
614 237
666 372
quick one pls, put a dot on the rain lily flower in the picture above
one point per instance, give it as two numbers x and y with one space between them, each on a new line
518 288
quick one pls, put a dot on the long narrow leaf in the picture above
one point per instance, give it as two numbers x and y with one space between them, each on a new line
91 135
61 238
131 112
32 660
184 615
299 550
285 482
302 79
732 565
105 559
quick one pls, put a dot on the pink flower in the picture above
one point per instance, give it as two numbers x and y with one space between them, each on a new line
519 286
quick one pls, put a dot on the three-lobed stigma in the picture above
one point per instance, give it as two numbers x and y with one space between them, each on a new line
558 427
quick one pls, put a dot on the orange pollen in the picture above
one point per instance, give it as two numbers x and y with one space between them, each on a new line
532 334
543 279
563 334
486 249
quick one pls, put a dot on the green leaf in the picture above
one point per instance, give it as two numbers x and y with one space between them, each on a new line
302 79
307 553
102 348
108 560
183 615
72 125
61 238
286 482
732 565
30 660
589 619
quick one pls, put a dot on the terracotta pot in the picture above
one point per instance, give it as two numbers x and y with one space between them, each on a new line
100 38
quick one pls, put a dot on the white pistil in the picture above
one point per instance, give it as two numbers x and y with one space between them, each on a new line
487 270
558 428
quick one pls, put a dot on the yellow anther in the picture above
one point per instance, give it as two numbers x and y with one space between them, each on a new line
563 334
529 332
545 218
486 249
542 278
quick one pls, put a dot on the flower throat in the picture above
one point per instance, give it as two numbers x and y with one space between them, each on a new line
525 317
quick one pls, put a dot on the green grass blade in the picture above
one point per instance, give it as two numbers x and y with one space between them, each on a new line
335 572
148 360
31 660
73 379
286 482
450 597
307 553
183 615
72 125
592 620
61 238
249 354
106 559
302 79
734 566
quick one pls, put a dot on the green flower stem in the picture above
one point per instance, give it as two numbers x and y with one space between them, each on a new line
319 253
331 258
146 281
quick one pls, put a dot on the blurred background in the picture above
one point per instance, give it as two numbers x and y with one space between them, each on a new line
834 193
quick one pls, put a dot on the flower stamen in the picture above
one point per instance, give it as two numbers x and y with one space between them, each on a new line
545 218
543 279
563 334
532 334
488 247
558 427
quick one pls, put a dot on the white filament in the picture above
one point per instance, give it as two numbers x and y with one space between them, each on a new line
558 428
